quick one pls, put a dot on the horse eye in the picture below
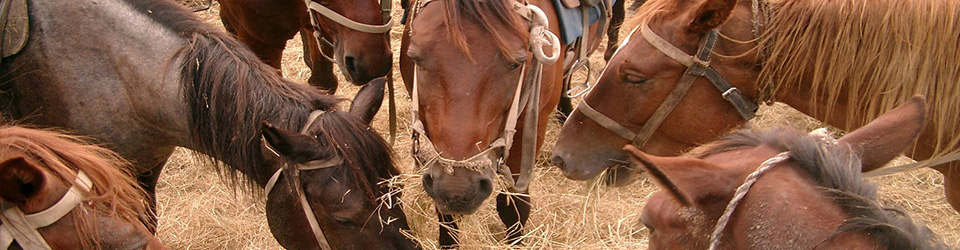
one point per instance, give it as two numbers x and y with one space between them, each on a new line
345 221
514 66
634 79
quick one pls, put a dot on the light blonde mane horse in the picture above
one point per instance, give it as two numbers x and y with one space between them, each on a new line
844 62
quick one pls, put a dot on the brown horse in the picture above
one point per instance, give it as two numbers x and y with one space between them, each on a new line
797 191
843 62
187 83
78 193
266 25
469 66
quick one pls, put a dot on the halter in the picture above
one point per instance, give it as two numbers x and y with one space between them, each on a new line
697 66
314 8
22 228
310 165
493 157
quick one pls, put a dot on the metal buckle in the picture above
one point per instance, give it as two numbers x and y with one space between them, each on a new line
726 94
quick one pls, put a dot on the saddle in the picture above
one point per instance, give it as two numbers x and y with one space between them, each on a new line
14 26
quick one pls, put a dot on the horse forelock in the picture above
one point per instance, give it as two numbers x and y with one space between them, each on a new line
364 152
114 191
867 56
836 170
486 15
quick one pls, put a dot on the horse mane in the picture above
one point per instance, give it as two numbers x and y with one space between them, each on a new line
835 168
359 147
870 55
230 92
485 14
114 190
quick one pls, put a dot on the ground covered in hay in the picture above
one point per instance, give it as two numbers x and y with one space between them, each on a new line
197 211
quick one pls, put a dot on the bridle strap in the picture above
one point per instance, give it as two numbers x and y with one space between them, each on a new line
697 66
526 100
346 22
22 228
310 165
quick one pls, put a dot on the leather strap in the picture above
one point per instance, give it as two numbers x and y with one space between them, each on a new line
697 66
310 165
346 22
22 228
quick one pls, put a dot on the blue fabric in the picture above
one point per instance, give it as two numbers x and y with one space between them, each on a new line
571 21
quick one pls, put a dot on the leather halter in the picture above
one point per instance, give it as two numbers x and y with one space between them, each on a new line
22 228
310 165
314 8
526 99
697 66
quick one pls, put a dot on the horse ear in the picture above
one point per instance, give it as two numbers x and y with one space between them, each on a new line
290 144
711 14
686 179
889 135
19 180
367 102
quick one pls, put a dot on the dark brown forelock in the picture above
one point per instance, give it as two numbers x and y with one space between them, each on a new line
486 14
230 92
837 171
365 153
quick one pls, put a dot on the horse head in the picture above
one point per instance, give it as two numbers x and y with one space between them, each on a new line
806 191
356 33
463 61
343 170
659 68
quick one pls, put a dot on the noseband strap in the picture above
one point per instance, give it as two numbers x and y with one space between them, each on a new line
697 66
22 228
310 165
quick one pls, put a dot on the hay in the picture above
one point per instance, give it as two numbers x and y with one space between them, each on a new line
197 211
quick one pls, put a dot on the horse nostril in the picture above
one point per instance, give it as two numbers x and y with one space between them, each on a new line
351 65
427 181
486 186
557 161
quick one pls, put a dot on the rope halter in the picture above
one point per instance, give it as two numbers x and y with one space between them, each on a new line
525 100
297 167
314 7
22 228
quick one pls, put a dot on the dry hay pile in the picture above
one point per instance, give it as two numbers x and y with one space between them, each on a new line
197 211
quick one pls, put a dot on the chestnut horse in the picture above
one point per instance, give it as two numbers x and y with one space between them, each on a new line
483 90
354 34
187 83
842 62
78 193
783 189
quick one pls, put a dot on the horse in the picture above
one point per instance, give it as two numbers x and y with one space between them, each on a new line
143 77
841 62
783 189
355 35
78 193
475 70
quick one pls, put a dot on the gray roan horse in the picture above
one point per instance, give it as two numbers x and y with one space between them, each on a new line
145 76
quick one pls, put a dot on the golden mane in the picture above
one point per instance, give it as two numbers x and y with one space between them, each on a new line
114 191
485 14
869 54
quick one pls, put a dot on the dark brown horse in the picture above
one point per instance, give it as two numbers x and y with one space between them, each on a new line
72 194
842 62
187 83
266 25
783 189
470 69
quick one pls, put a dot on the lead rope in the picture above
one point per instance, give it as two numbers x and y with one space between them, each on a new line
740 193
22 228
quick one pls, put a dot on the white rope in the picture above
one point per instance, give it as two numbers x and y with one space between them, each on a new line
22 228
742 192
